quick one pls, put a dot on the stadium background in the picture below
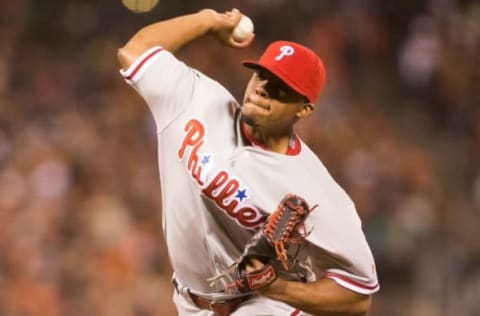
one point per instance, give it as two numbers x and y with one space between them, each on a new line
398 126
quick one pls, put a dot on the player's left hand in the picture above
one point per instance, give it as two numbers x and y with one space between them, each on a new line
257 265
254 265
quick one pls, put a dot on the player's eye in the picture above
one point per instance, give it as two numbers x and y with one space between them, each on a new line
261 75
276 88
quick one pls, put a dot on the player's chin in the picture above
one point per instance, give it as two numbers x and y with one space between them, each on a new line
248 120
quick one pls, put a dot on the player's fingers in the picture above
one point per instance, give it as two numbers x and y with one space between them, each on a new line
236 16
226 20
253 265
234 10
233 16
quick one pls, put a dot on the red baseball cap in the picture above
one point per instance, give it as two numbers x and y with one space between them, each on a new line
296 65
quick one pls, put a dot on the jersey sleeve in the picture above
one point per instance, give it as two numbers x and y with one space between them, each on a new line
362 285
164 82
345 256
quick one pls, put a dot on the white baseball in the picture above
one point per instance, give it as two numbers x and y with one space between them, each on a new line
243 29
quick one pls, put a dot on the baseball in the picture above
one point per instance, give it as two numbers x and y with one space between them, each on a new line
140 6
243 29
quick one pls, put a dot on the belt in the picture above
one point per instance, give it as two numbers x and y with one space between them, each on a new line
218 307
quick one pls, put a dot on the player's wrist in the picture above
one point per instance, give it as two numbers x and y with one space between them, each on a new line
207 20
275 290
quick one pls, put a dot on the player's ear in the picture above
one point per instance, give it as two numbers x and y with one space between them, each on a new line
305 110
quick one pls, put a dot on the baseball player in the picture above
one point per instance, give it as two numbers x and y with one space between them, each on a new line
224 166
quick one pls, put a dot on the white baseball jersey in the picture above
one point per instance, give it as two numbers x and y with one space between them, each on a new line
217 187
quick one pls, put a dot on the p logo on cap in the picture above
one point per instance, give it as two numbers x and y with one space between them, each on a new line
285 50
296 65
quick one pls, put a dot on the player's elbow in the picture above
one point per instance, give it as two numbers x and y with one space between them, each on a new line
123 57
127 54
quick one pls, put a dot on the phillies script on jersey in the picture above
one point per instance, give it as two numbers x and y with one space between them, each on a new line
223 189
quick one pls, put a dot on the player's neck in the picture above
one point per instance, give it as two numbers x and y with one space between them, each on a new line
277 142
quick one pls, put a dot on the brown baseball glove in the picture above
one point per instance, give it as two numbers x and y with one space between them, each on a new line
271 244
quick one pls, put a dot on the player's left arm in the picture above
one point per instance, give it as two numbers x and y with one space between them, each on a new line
322 298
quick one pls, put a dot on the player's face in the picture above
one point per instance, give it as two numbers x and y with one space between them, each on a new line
270 102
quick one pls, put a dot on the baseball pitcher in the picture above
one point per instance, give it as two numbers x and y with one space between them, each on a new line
253 221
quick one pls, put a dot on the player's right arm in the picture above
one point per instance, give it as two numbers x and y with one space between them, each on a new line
173 34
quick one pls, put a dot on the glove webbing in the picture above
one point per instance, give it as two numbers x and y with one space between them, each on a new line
281 224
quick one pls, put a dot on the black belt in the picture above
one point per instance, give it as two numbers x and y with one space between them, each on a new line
218 307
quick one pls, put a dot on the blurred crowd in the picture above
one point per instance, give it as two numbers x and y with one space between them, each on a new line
398 126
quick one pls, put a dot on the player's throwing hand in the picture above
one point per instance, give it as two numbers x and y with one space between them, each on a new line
223 26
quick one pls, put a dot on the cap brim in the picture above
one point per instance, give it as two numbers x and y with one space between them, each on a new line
252 64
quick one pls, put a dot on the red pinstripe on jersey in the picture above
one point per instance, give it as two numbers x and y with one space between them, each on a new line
295 313
142 62
355 284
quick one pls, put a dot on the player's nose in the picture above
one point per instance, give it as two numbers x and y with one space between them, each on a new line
260 88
